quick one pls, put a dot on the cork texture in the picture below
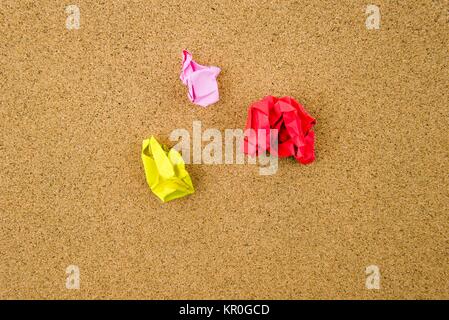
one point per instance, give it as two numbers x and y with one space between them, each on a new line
75 106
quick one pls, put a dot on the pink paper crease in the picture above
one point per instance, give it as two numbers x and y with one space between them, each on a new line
200 80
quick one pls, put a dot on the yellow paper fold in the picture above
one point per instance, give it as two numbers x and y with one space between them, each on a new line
165 171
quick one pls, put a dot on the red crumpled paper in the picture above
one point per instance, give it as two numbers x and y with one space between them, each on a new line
295 136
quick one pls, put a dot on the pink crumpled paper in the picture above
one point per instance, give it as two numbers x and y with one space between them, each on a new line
201 81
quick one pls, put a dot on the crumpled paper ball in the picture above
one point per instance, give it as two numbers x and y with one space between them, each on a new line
295 129
200 80
165 171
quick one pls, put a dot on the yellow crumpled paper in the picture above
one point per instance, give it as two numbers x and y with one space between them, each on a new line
165 171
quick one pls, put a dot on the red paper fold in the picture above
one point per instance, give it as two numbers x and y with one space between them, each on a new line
294 127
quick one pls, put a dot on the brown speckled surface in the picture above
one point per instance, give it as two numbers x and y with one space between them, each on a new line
75 106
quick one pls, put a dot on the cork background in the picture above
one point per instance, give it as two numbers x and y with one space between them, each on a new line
75 106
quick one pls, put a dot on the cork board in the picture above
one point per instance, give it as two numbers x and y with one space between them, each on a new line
76 104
